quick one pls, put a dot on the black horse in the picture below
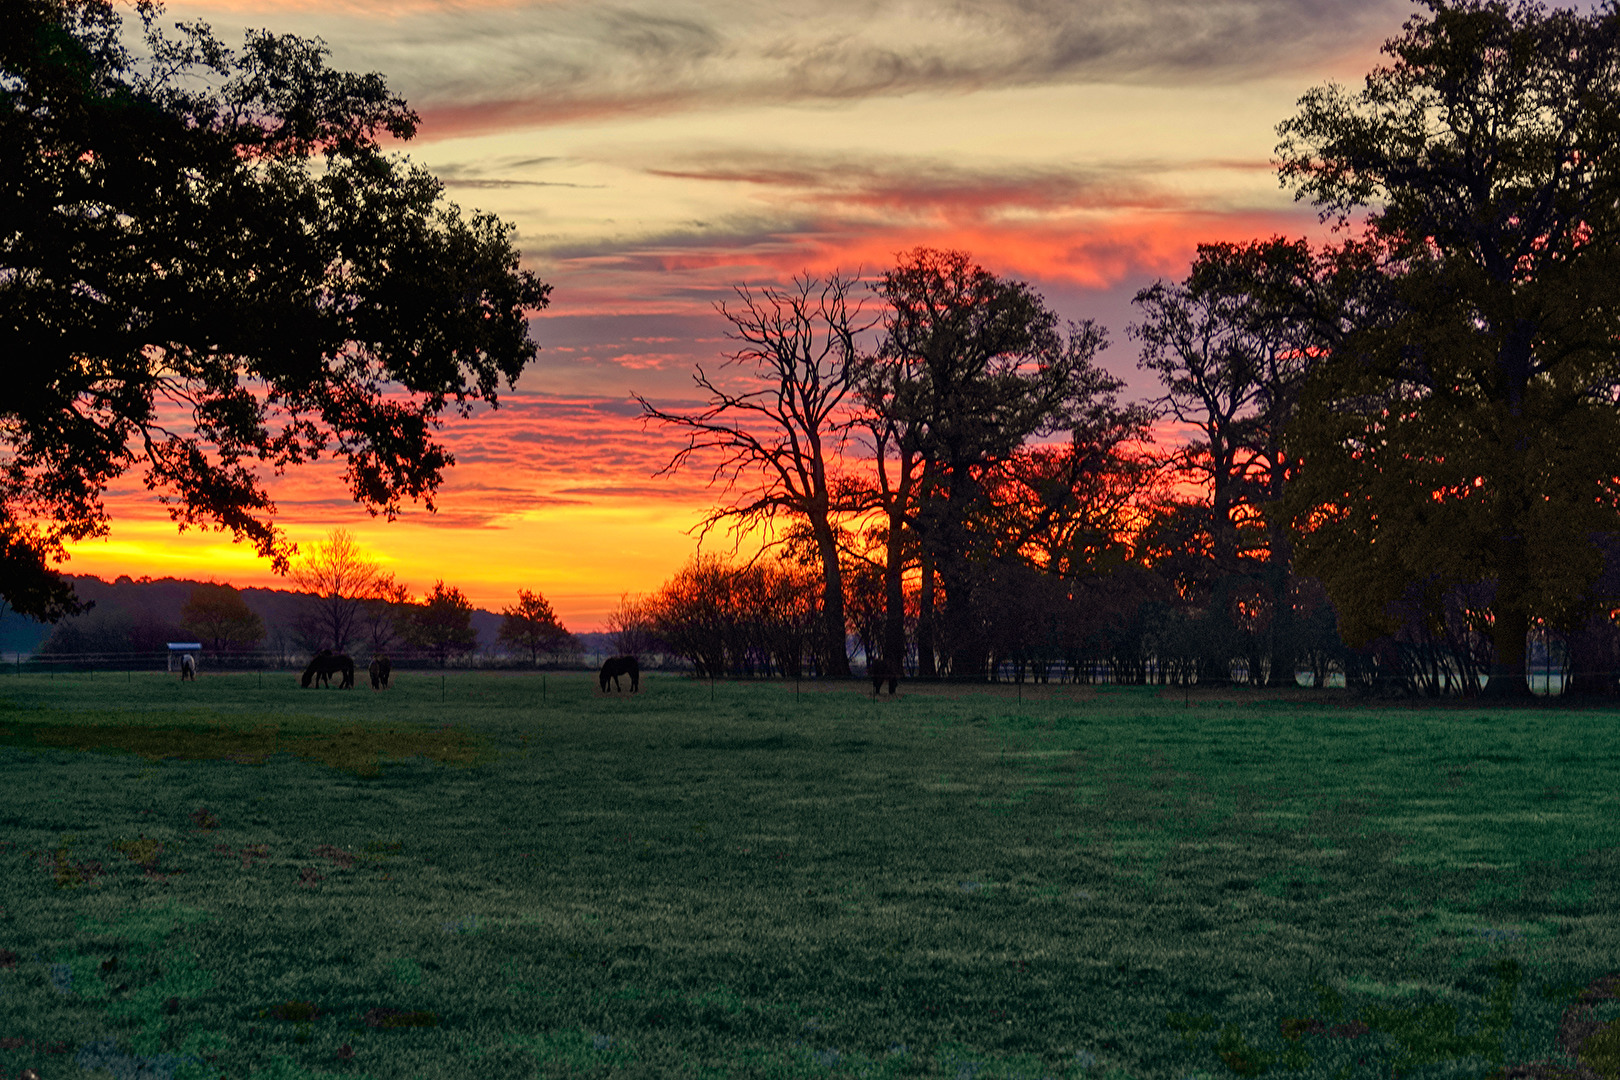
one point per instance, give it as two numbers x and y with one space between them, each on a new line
879 670
615 666
325 665
380 670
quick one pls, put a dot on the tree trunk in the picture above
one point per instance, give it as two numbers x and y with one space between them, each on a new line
1283 657
894 596
1510 634
834 627
1510 630
963 642
926 668
1215 661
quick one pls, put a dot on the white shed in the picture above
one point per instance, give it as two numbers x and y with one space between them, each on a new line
177 649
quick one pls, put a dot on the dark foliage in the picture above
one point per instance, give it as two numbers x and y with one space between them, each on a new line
209 263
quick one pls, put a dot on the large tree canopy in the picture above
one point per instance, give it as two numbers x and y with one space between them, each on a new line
971 367
1469 434
208 263
1231 345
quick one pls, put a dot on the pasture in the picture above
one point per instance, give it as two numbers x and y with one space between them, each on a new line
238 878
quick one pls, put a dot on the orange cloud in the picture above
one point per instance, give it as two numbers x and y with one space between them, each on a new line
1092 251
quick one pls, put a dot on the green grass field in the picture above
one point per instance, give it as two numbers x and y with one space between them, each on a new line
244 879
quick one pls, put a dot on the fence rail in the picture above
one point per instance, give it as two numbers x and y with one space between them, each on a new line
1546 679
207 660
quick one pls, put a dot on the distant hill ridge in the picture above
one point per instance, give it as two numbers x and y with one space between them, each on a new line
154 604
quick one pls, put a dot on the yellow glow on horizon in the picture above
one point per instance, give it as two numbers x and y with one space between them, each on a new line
581 558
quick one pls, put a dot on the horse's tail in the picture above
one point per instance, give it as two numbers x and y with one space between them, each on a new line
348 673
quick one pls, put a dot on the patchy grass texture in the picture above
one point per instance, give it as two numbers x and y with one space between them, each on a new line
231 878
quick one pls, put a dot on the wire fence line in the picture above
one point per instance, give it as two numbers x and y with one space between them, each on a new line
1546 677
160 660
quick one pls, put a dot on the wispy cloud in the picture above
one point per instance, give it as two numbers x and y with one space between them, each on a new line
494 64
916 185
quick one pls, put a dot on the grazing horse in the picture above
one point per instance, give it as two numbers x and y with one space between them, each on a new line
325 665
188 668
615 666
880 670
380 669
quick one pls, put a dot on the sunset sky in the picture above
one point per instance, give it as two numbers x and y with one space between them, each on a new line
653 153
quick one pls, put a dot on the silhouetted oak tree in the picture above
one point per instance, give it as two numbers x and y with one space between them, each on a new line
1232 344
1474 436
972 366
206 262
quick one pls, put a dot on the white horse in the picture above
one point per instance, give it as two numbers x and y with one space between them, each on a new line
188 668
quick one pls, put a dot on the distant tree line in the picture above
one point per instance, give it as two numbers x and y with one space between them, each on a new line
1406 441
348 604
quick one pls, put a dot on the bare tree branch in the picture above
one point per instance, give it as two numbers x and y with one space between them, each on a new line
775 445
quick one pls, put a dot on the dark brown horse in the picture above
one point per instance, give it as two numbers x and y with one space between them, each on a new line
879 670
325 665
380 669
615 666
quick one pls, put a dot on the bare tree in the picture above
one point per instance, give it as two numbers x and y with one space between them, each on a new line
385 613
886 391
633 627
340 579
776 443
1232 346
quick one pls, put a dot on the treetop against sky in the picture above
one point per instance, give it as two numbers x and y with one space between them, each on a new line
653 154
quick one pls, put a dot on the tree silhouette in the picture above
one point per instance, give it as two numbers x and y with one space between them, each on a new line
889 387
1232 344
531 624
632 624
775 437
218 615
442 623
1472 436
209 263
340 579
978 366
385 613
